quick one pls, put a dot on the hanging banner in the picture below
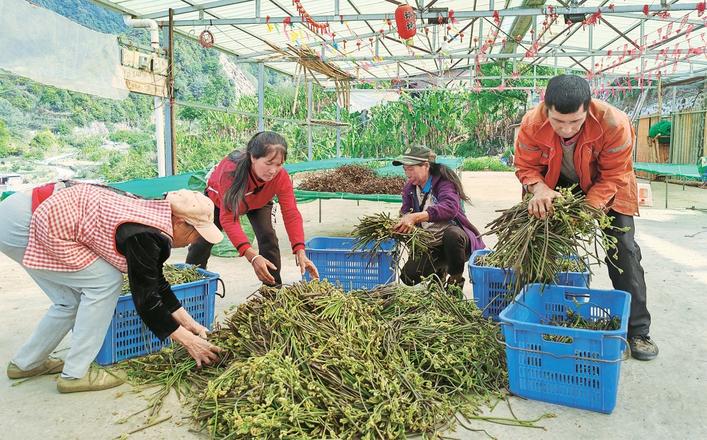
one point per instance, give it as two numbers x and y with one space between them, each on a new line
45 47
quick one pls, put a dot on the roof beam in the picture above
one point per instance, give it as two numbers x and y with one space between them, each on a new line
651 49
656 18
521 26
194 8
566 54
621 34
460 15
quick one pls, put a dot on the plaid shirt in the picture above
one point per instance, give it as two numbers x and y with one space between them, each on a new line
75 226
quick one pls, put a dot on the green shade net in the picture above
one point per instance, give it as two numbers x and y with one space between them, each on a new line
156 187
686 170
325 164
702 167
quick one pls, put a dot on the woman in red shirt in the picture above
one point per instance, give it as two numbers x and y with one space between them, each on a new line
245 182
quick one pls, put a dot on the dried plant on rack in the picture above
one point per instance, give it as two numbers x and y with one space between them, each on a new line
536 249
355 179
311 62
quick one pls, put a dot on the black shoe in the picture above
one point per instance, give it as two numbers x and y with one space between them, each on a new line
643 348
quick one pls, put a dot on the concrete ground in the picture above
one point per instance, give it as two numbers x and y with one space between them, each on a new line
664 398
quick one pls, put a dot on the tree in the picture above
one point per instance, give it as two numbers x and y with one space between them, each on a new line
4 140
40 144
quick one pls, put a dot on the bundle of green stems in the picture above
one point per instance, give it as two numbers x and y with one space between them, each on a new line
535 249
374 230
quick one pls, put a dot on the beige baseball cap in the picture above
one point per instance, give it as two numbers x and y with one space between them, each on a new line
197 210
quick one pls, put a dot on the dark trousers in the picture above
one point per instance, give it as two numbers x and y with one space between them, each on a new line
631 279
268 244
449 257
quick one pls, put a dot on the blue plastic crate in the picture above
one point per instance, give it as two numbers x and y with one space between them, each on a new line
358 269
128 337
582 372
493 286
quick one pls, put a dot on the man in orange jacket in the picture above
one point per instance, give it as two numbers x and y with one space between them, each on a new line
572 139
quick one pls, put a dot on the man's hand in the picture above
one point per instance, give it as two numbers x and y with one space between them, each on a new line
203 352
305 264
540 205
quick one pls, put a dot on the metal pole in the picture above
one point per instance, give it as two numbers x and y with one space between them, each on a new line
261 97
162 120
171 127
642 43
309 121
591 49
338 130
257 8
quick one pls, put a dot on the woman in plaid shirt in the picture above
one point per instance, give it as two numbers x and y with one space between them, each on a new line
76 242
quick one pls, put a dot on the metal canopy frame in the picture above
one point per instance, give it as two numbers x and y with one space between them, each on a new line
615 41
527 31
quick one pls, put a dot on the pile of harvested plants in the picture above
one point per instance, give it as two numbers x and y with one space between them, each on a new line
309 361
375 229
535 248
575 320
356 179
173 274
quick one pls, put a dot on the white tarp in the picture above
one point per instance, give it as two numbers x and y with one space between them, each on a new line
38 44
363 99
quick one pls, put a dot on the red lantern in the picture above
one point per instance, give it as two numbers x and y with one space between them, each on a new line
405 21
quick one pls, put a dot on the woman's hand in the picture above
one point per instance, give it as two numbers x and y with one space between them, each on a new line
261 266
201 350
184 319
406 224
305 264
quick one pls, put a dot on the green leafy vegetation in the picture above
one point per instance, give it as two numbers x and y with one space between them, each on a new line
485 163
5 146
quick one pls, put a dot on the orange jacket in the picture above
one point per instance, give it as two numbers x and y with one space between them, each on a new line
602 157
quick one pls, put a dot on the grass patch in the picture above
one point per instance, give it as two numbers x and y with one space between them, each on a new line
486 163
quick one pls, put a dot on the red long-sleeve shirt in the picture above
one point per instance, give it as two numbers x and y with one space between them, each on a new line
258 194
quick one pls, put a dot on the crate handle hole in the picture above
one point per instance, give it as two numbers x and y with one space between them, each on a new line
557 338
